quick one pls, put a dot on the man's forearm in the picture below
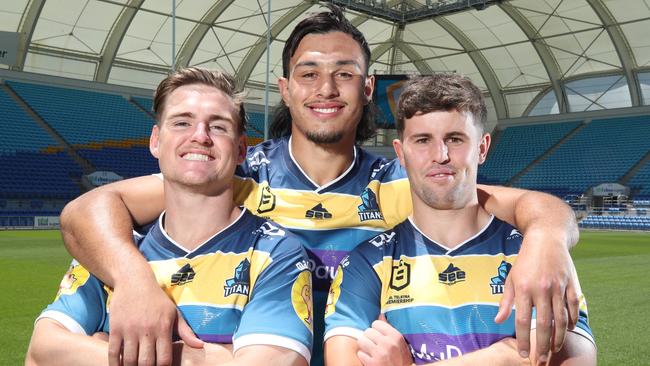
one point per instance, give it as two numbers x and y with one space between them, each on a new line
540 213
97 227
534 213
54 345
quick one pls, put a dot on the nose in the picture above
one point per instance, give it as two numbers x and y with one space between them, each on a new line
440 152
327 87
201 134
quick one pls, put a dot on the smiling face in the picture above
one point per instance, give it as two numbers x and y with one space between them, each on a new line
197 140
327 88
441 151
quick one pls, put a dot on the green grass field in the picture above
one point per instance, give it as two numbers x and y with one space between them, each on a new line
614 270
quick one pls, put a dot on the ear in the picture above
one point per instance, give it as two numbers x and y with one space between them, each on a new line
154 141
241 153
283 85
397 145
369 87
483 148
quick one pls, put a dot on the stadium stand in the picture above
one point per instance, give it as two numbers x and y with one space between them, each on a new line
517 147
641 183
127 162
145 103
26 174
83 117
616 222
601 152
18 132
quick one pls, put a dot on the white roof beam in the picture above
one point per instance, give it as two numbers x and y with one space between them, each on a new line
199 31
26 30
622 48
484 68
114 39
255 53
544 52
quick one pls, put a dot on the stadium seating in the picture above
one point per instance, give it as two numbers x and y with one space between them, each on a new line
145 103
18 132
616 222
641 182
126 162
27 174
602 152
517 147
84 117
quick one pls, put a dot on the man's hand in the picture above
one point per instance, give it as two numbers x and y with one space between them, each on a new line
542 277
142 321
383 345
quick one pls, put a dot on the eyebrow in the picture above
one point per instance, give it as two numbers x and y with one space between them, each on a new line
213 117
456 133
316 63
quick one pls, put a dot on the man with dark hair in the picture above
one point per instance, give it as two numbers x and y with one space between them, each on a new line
317 182
437 286
202 241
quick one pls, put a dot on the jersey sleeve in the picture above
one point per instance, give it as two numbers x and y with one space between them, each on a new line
80 304
355 295
279 311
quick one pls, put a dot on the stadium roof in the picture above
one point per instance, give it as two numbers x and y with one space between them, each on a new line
532 56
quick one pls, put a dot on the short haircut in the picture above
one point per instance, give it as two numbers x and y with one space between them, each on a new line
196 75
325 22
441 92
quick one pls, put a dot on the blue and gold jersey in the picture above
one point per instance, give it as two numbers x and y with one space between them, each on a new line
247 285
442 300
371 196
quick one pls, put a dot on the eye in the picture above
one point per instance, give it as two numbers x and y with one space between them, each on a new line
454 140
421 140
218 127
180 123
344 75
309 75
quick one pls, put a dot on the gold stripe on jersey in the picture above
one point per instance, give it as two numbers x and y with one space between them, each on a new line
290 207
415 281
211 273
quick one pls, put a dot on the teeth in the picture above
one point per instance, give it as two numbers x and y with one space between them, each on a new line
325 110
195 157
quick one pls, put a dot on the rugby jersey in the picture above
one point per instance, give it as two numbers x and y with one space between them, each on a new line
371 196
442 300
249 284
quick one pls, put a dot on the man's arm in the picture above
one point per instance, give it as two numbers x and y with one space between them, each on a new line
97 226
52 344
542 276
383 345
347 351
97 230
